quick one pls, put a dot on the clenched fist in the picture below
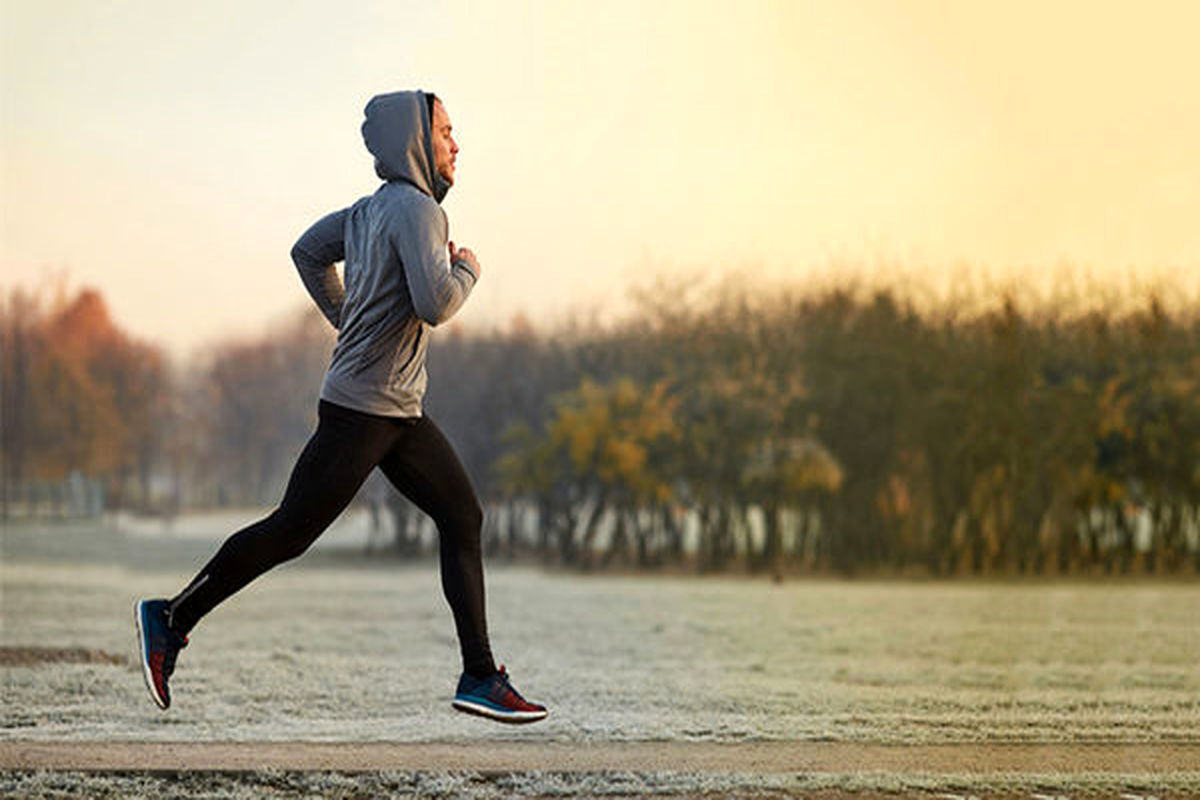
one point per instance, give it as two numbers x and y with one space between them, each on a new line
465 254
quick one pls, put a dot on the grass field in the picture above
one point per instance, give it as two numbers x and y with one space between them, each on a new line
336 647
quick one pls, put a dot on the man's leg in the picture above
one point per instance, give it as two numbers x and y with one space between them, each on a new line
423 466
334 464
337 459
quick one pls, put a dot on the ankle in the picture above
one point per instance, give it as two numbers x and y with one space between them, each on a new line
480 671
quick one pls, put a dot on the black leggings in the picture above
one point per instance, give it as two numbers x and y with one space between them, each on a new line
347 445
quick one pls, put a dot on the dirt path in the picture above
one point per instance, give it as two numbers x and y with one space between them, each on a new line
703 757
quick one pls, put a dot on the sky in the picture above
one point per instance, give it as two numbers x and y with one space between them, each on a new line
170 153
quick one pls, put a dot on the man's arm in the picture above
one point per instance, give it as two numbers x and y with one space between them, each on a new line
437 285
315 254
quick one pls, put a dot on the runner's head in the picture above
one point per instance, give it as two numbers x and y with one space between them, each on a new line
409 134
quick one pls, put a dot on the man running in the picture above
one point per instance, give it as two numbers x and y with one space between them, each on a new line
402 277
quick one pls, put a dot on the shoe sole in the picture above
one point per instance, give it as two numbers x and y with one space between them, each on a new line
145 659
510 717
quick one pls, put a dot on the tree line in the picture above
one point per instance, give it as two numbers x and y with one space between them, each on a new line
837 429
844 429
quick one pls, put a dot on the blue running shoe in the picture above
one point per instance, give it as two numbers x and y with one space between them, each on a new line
159 646
495 698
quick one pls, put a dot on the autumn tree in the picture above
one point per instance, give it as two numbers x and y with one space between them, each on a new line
79 395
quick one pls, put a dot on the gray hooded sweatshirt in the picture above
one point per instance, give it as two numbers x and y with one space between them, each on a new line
399 280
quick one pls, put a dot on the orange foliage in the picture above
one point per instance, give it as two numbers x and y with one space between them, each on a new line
81 395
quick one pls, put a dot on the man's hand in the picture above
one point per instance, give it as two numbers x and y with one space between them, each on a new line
465 254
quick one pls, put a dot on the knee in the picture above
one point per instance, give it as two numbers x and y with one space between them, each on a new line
295 537
464 522
471 517
293 547
475 515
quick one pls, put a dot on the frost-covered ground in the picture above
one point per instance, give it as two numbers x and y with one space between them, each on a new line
340 647
275 785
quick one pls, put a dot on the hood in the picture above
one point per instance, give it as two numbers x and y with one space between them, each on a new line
397 132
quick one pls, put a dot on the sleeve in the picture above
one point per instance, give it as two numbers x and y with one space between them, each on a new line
315 255
438 287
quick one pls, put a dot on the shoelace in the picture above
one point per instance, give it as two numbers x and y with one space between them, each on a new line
502 674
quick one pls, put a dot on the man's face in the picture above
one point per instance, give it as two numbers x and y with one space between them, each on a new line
444 147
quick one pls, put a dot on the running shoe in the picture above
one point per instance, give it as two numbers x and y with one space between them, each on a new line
159 646
495 698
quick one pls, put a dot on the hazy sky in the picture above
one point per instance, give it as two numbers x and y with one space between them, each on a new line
170 153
